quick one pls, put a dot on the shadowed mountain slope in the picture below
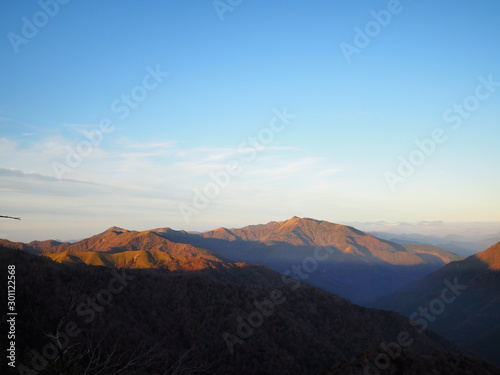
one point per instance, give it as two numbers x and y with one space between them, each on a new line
350 241
410 363
359 266
472 319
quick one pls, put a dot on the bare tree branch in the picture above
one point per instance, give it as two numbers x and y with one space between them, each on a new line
188 364
10 217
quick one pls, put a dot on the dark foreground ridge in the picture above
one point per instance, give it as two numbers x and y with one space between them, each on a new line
470 320
244 320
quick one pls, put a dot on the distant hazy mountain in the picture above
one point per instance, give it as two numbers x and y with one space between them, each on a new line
464 246
472 318
154 321
463 238
358 266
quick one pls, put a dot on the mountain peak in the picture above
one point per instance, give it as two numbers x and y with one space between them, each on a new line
300 221
116 230
303 219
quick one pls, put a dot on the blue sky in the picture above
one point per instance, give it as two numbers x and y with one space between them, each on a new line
353 120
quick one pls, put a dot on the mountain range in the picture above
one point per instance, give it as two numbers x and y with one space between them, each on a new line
359 267
207 302
354 264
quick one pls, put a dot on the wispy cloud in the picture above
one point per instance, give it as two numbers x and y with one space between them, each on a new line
16 181
128 178
12 173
